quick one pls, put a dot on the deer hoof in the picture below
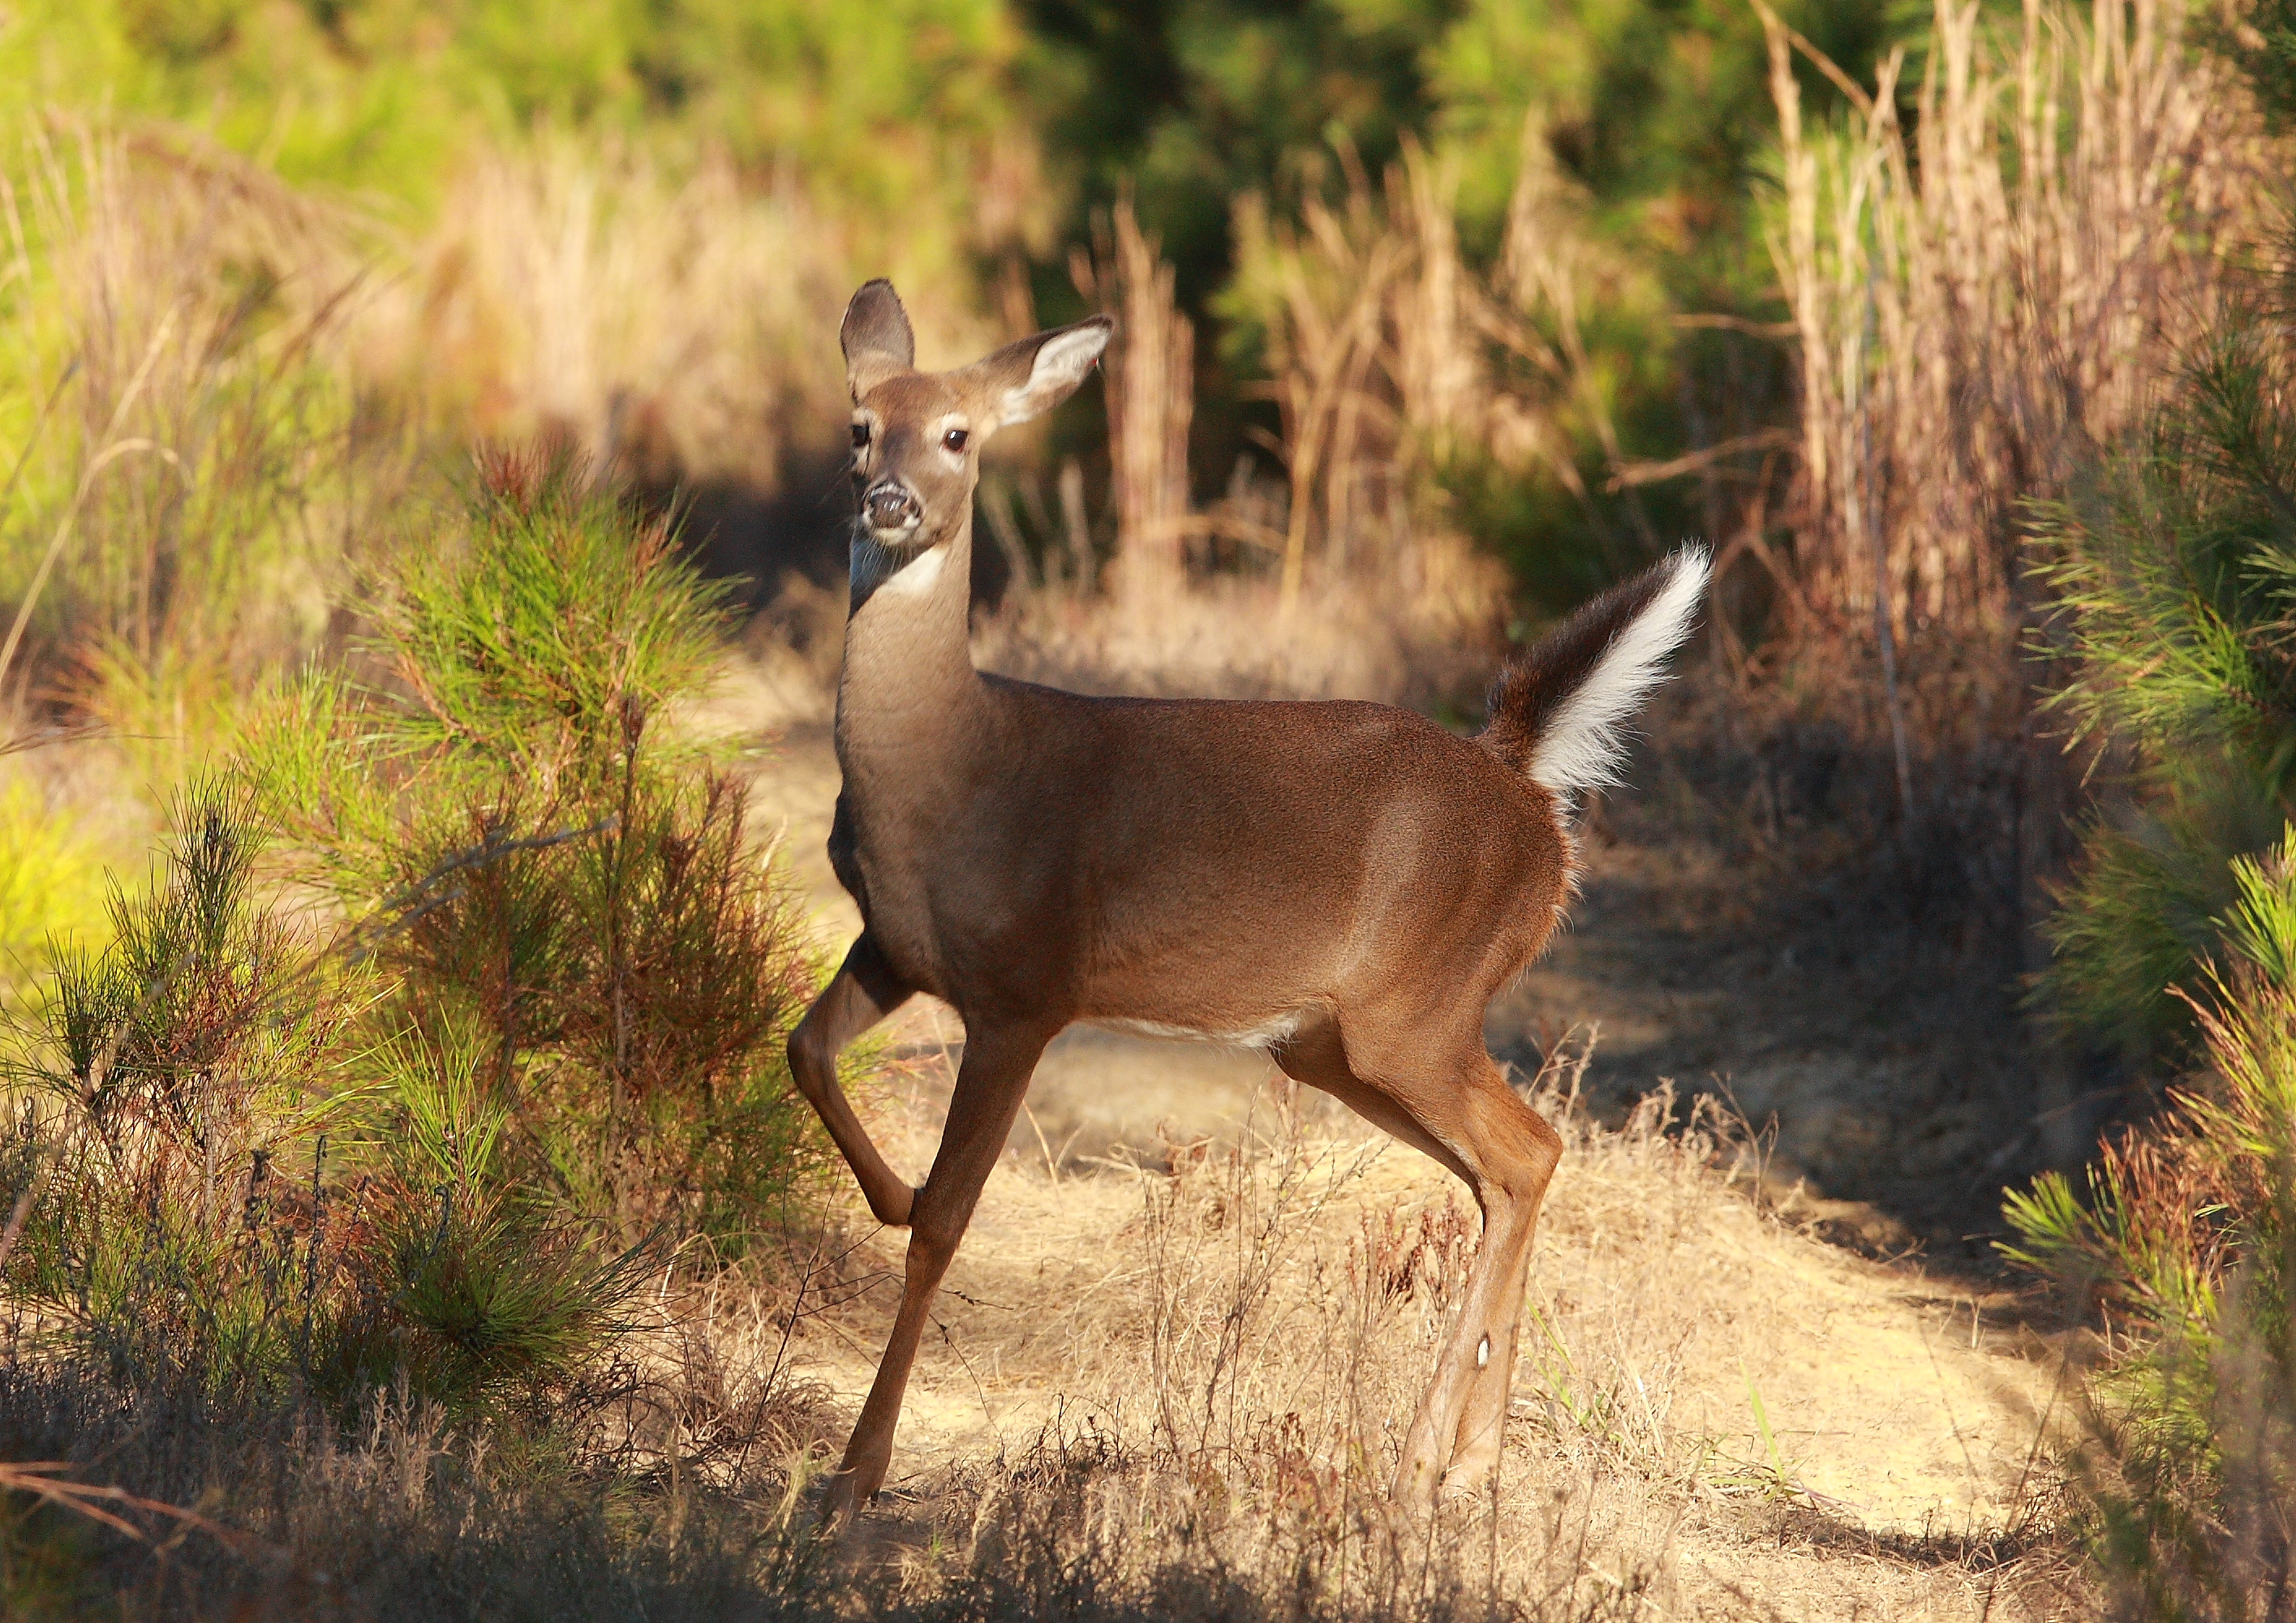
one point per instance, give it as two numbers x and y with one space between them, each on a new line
842 1503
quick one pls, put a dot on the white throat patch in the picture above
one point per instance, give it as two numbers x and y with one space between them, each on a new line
916 578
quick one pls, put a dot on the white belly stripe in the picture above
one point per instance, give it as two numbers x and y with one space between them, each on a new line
1266 1035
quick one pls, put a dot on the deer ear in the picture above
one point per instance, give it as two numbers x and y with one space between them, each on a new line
1028 379
876 338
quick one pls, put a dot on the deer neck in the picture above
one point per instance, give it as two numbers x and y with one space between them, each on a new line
907 695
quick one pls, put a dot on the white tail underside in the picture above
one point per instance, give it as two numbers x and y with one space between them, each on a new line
1584 741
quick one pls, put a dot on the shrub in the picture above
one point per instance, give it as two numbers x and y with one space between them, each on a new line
2189 1234
554 875
158 1087
538 1033
2172 570
461 1283
170 1090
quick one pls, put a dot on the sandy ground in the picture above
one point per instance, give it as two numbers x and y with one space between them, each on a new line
1757 1421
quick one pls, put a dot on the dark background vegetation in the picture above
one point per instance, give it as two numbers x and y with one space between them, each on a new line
1658 113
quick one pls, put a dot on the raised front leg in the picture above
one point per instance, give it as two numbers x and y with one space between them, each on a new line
989 1087
863 992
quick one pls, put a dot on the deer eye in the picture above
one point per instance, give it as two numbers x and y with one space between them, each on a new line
954 441
860 436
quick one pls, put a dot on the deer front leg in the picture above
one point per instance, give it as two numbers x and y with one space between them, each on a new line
990 1084
863 992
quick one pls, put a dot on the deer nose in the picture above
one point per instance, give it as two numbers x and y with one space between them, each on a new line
890 506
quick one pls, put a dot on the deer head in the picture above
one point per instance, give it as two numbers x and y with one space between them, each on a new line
917 435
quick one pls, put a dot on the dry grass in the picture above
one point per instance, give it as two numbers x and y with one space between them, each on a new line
1981 298
1385 353
1343 577
230 394
1984 294
1392 361
677 319
1152 389
192 472
1173 1385
1425 635
1208 1355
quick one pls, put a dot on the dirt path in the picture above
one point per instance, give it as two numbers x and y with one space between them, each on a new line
1728 1405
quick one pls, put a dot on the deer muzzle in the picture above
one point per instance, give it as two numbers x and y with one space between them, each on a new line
890 506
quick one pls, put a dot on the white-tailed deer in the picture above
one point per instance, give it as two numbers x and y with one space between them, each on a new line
1345 885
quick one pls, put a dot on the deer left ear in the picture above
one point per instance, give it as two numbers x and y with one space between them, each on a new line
876 339
1030 378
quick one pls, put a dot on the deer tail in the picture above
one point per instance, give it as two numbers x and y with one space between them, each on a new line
1559 710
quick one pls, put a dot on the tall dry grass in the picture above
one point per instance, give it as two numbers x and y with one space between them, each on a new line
193 468
1989 272
1373 359
674 317
1984 296
1387 357
1150 404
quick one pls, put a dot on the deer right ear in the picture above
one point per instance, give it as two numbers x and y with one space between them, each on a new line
1028 379
876 338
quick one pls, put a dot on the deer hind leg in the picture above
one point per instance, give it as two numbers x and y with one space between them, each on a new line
1461 1111
1529 1148
990 1084
863 991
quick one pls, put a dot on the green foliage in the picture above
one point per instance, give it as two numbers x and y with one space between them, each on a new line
1661 112
532 651
549 867
2189 1235
2186 1491
541 1040
385 96
533 1041
2141 910
465 1282
1657 111
1191 105
2259 39
157 1087
171 1090
50 879
2174 574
